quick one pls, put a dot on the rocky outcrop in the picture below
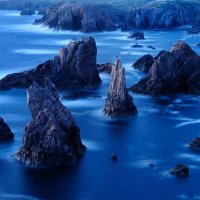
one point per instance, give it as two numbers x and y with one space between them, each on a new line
137 35
144 63
74 67
77 17
105 68
162 14
27 11
180 170
195 144
52 138
119 103
174 71
5 132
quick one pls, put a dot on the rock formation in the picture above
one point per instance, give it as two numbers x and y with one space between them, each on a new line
180 170
144 63
105 68
5 132
119 103
162 14
174 71
137 46
137 35
52 138
195 144
78 17
74 67
27 11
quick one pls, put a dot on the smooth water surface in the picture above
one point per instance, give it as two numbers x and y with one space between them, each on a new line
158 134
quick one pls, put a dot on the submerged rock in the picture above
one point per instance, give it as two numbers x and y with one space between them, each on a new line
114 157
195 144
119 103
137 35
74 67
27 11
5 132
137 46
180 170
52 138
105 68
77 17
174 71
151 47
144 63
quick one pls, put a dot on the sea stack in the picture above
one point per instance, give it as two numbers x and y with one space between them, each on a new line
74 67
119 103
5 131
172 72
52 138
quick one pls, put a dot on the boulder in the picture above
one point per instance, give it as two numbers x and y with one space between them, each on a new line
119 103
195 144
144 63
5 132
137 35
52 138
105 68
174 71
77 17
27 11
180 170
74 67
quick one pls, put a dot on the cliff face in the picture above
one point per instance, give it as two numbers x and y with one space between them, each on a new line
119 103
78 17
174 71
163 15
75 67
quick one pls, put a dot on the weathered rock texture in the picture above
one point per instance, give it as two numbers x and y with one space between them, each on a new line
144 63
195 144
52 138
162 15
174 71
119 103
137 35
105 68
5 132
74 67
85 18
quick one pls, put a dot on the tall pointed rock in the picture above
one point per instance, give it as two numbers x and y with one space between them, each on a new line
119 103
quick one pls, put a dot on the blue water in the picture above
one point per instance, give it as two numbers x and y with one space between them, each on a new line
158 134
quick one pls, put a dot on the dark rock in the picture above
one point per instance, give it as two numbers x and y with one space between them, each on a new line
41 12
75 67
78 17
180 171
144 63
198 45
27 11
137 35
162 15
195 144
5 132
174 71
119 103
114 157
52 138
105 68
151 47
137 46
